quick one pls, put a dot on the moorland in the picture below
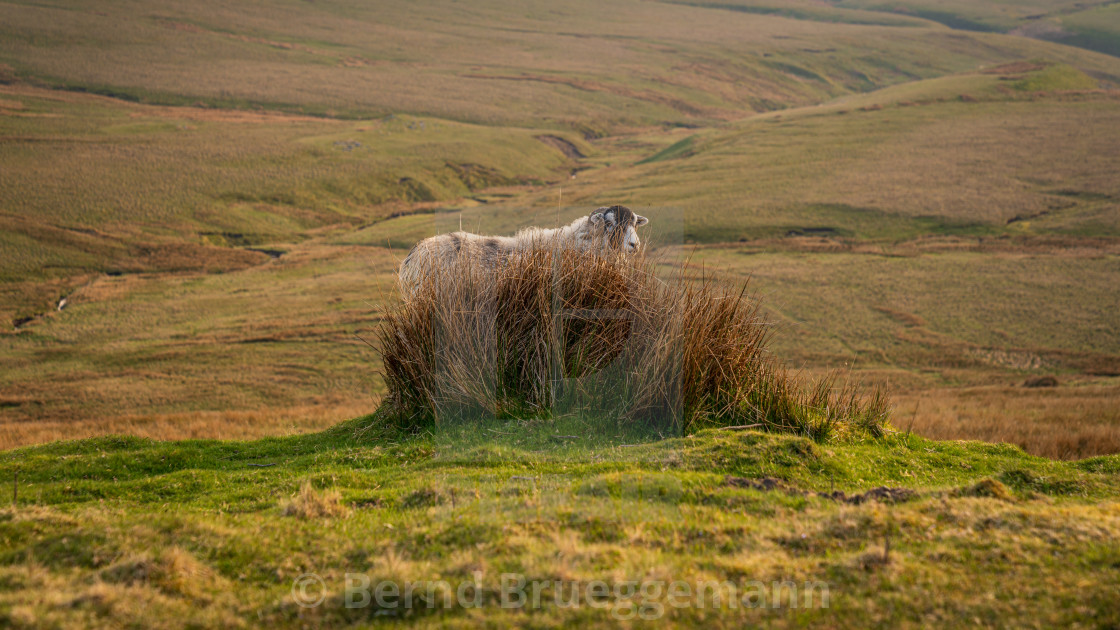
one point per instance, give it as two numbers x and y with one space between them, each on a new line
203 206
220 194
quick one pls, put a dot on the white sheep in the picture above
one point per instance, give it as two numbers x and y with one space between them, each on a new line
610 228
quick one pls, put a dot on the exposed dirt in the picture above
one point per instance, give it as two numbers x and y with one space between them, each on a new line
565 147
1017 67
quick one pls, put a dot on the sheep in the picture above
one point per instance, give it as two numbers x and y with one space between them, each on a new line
609 228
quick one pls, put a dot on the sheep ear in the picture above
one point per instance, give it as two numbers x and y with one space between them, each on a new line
639 220
596 218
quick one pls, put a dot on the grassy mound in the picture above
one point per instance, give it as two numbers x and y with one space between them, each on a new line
558 332
903 531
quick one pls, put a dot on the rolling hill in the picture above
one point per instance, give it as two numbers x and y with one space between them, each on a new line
220 192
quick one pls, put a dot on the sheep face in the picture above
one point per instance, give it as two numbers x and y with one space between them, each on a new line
618 227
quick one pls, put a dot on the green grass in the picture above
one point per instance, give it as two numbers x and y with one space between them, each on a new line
97 521
1056 77
1096 28
681 148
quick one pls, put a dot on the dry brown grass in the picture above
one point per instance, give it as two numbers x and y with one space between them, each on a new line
269 350
310 503
1066 422
173 570
234 424
143 579
562 329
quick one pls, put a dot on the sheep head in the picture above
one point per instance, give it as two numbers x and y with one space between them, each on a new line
616 226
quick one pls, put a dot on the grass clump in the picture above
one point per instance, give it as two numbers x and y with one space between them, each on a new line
986 488
309 503
550 333
173 570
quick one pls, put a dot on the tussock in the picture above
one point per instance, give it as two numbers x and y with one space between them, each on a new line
310 503
173 571
986 488
554 332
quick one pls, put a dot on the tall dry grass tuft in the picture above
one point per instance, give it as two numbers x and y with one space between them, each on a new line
557 331
310 503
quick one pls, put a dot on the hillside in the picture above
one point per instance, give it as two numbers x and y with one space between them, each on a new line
220 194
486 62
1093 25
203 206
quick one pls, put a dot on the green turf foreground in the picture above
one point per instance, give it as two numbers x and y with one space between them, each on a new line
540 528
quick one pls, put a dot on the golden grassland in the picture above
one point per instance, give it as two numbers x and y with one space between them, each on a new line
487 63
202 355
965 155
1073 420
92 185
316 414
934 209
272 350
